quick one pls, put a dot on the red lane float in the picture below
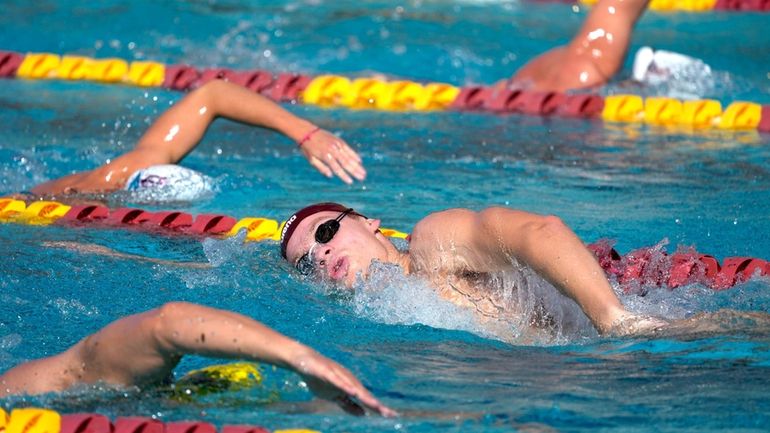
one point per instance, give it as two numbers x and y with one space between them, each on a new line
9 63
743 5
650 267
37 420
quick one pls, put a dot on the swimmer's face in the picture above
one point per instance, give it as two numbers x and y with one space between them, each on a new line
349 252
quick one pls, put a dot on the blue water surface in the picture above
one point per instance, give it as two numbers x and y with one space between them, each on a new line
637 185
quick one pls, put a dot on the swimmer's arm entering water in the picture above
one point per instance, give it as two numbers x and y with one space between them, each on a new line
144 348
179 130
593 56
109 252
486 241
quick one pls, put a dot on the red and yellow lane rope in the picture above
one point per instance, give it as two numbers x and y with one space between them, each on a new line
702 5
36 420
401 95
49 212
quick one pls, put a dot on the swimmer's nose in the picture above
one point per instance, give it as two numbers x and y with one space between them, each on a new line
374 224
323 256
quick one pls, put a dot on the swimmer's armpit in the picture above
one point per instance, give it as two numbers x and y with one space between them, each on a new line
108 252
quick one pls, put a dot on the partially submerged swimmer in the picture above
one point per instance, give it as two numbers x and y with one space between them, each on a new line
179 130
593 56
456 250
143 349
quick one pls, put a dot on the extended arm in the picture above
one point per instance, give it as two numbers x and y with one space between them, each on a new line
144 348
179 130
593 56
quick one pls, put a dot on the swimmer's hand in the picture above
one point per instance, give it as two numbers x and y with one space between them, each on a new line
333 382
330 155
636 324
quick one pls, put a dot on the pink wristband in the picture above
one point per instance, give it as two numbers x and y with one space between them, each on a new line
307 136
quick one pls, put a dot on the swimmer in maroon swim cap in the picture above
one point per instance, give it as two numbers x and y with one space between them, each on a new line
457 250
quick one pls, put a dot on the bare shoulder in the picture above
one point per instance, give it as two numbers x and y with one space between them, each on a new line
439 222
464 226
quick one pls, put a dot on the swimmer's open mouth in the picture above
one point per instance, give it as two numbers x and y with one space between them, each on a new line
340 269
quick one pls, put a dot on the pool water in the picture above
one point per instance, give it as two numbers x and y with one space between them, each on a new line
635 185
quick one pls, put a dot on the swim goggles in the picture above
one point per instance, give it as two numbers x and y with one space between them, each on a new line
323 234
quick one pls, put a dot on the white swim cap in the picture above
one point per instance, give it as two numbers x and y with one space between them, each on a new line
169 183
658 66
673 74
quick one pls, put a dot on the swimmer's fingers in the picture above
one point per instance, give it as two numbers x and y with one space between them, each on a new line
330 380
320 166
348 151
337 169
333 152
351 161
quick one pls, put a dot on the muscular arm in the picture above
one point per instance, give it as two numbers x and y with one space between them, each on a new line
179 130
593 56
485 242
144 348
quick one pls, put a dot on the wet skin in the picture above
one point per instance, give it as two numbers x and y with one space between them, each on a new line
592 57
460 245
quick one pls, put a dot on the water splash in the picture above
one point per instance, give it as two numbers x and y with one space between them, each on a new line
531 311
225 256
221 251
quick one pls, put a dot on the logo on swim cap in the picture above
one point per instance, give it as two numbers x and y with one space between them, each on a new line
287 225
293 222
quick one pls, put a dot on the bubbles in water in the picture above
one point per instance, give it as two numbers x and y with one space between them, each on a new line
10 341
226 257
220 251
72 307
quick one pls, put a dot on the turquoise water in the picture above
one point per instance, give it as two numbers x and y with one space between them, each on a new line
635 185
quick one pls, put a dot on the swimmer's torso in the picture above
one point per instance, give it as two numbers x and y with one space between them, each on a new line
443 251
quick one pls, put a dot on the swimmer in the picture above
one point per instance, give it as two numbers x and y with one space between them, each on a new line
143 349
592 57
177 131
458 250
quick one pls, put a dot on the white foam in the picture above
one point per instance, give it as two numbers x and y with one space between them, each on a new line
389 296
673 74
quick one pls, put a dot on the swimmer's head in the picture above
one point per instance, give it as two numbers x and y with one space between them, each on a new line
169 182
333 242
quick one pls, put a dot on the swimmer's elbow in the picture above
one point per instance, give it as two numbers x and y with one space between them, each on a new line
547 226
166 322
521 231
501 219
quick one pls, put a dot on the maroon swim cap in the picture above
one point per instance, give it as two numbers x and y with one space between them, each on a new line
294 220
